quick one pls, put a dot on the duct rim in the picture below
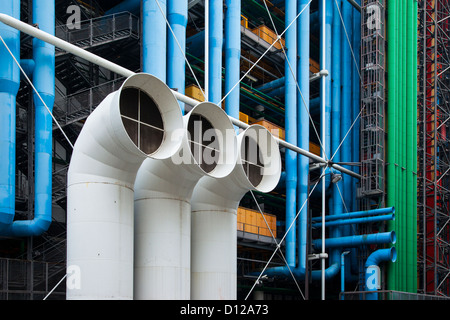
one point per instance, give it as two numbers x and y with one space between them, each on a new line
162 114
223 147
268 157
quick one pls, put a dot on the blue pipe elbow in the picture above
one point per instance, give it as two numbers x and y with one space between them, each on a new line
372 275
381 255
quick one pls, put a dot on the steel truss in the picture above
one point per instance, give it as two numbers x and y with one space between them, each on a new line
433 147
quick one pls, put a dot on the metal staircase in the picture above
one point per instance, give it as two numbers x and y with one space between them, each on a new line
82 86
100 31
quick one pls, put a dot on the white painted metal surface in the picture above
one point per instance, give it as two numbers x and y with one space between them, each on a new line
214 219
100 196
163 191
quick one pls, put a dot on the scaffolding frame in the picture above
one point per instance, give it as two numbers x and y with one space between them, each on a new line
433 147
373 98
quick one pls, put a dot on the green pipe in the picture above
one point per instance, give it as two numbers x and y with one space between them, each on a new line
403 135
409 150
392 127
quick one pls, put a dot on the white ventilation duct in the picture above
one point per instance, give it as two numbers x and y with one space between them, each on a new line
214 214
163 191
138 121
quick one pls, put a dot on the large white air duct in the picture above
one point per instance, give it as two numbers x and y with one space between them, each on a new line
214 214
163 191
138 121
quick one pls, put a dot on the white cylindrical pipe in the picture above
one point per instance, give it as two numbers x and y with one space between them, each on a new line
214 214
163 191
106 157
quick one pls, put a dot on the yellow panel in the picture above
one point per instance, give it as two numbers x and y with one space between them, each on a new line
194 92
243 117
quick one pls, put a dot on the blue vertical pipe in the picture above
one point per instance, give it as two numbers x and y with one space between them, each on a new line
336 201
154 34
303 124
9 86
44 82
326 55
215 50
291 127
177 11
333 24
346 103
356 43
346 118
343 254
232 55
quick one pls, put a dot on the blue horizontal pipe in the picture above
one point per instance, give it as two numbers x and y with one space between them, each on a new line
355 221
269 86
356 214
356 241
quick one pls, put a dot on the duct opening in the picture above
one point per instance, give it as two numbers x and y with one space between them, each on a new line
142 119
252 161
203 142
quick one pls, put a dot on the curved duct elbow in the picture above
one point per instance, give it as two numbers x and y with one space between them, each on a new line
214 213
162 202
373 274
136 122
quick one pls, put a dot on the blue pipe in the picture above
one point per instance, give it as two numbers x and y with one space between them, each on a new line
269 86
28 66
44 81
327 54
356 214
232 56
177 11
343 254
355 221
356 241
154 38
335 201
303 125
9 86
375 259
346 105
356 41
291 128
215 50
